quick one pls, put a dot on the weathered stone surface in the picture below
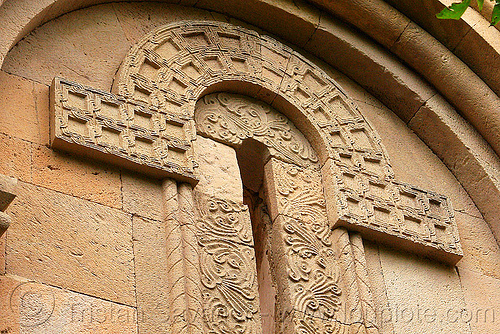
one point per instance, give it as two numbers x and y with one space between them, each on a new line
33 308
372 68
218 170
23 108
378 288
227 267
482 297
2 254
465 152
481 249
134 199
86 179
8 191
295 192
391 212
420 293
16 157
138 19
284 18
54 232
151 277
111 128
5 222
72 46
142 195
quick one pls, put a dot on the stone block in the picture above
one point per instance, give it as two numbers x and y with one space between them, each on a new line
218 170
378 288
151 276
72 46
5 222
370 66
295 192
481 250
420 294
8 192
283 18
71 243
16 157
86 179
2 254
465 153
482 297
33 308
139 19
23 108
142 196
391 212
426 170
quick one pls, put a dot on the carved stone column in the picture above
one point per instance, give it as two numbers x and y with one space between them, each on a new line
184 297
320 273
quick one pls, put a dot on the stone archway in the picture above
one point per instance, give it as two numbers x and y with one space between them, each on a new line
150 127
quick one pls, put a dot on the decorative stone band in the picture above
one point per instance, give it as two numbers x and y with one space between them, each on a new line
391 212
174 66
108 127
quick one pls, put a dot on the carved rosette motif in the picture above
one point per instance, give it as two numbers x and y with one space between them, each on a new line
227 260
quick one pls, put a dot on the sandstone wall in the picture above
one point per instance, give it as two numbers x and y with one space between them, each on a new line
92 235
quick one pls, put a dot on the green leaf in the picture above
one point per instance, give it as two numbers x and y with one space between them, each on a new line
455 11
495 16
480 4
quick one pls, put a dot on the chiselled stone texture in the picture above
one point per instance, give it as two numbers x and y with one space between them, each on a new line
149 126
109 127
393 212
231 118
227 261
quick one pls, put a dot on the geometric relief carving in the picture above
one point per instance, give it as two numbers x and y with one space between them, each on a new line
232 118
227 262
108 127
172 68
393 212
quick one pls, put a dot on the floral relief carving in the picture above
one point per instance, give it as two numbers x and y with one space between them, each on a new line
232 118
227 262
149 126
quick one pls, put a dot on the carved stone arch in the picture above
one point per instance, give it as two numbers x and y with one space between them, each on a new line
150 127
305 262
173 67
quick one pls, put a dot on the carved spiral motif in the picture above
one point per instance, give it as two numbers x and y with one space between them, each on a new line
227 262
